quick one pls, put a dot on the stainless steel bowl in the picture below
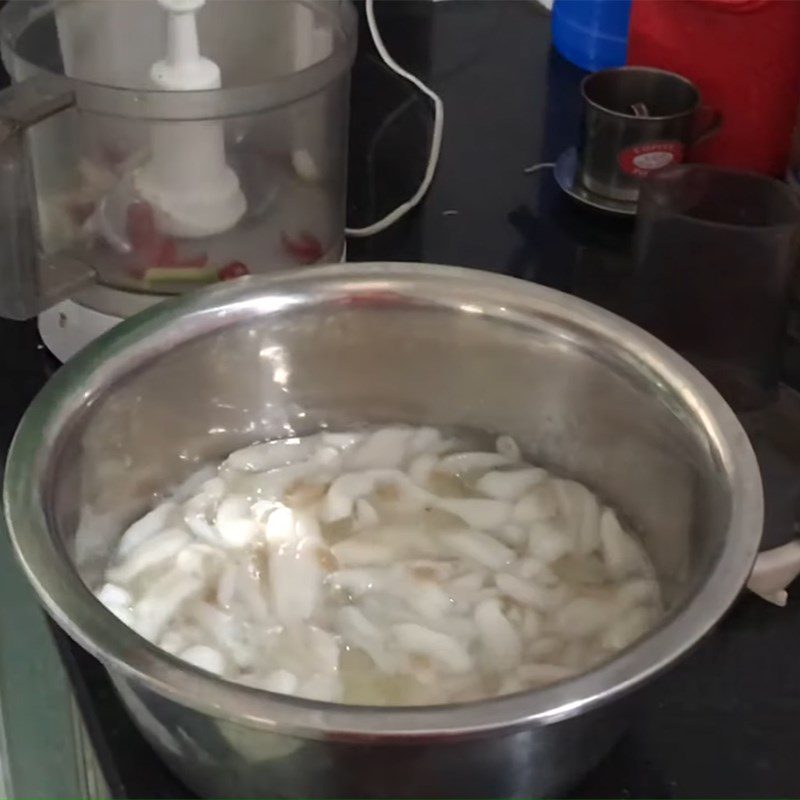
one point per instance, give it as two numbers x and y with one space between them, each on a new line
584 392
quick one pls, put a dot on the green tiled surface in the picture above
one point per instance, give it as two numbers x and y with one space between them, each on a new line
44 750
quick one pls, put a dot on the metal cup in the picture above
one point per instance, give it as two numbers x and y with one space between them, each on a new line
637 120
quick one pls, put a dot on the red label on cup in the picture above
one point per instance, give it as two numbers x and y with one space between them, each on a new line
642 159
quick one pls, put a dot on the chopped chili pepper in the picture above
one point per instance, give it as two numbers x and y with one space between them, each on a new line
136 271
304 248
168 256
143 234
235 269
372 299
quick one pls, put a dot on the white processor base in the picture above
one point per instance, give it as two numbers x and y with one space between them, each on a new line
68 327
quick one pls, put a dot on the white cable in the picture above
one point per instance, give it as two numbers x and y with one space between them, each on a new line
436 136
536 167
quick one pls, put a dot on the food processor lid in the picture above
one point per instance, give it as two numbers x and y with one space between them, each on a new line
50 37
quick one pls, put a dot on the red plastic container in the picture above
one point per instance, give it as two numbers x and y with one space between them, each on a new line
744 56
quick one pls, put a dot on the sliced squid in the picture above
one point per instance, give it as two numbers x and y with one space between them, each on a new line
235 523
348 488
163 600
621 553
153 552
362 552
507 447
548 541
270 455
397 565
252 595
280 681
537 505
582 617
501 642
226 587
358 631
627 629
421 468
143 529
479 547
509 485
524 592
464 589
365 515
481 514
205 657
114 596
443 650
197 522
462 463
193 483
200 560
384 449
295 580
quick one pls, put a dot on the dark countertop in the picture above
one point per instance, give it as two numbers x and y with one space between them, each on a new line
721 723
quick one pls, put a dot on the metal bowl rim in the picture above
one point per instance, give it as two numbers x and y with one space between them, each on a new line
74 608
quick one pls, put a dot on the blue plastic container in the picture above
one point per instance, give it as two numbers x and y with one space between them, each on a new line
593 34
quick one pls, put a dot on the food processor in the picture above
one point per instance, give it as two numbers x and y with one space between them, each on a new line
153 146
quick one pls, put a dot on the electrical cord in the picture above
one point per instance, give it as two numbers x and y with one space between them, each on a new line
538 167
436 135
